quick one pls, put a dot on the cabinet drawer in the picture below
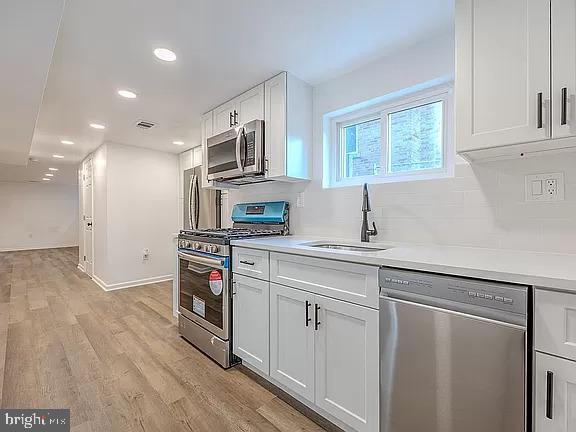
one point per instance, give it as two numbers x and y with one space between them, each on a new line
355 283
555 323
251 262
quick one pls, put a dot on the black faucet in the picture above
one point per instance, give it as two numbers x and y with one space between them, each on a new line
366 232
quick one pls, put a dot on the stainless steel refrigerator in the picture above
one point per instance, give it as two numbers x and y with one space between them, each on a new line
202 207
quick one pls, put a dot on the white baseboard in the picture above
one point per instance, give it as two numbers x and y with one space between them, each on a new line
81 268
129 284
36 248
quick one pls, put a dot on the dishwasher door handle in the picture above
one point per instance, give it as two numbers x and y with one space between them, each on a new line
449 311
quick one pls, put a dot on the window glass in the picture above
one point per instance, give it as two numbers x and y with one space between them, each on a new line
415 138
361 148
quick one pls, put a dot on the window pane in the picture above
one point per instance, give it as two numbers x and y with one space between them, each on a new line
361 149
415 137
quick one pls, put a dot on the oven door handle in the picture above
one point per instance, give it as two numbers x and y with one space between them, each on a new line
202 260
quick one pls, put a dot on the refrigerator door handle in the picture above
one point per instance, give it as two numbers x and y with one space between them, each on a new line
191 203
196 202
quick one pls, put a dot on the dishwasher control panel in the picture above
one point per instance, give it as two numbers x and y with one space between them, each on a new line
487 294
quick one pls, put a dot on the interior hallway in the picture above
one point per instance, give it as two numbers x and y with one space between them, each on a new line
115 358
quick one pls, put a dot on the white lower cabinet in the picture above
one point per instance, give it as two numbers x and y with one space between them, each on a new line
292 339
346 357
251 324
326 351
555 404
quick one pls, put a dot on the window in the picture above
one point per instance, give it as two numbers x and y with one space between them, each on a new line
405 139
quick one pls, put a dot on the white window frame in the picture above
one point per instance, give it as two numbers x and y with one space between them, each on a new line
337 150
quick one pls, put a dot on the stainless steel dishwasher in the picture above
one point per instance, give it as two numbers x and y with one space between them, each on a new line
453 354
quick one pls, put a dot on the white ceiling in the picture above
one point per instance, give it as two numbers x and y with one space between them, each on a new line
28 31
223 47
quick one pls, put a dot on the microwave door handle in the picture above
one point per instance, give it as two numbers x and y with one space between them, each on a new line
239 145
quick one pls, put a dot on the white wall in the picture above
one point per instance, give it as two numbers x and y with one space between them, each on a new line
140 211
38 216
482 206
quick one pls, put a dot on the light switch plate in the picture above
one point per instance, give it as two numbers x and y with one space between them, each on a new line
545 187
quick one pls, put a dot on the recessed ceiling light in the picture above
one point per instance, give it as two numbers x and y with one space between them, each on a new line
57 156
49 175
178 142
67 142
46 179
127 94
97 126
165 54
53 169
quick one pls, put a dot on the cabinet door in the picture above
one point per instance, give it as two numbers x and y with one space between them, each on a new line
251 331
223 118
563 68
555 401
555 323
346 362
250 105
502 65
275 120
292 339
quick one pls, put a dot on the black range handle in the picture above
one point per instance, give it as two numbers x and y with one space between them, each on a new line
250 263
308 319
316 322
539 102
564 111
549 394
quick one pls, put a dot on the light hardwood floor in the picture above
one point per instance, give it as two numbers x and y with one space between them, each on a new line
115 358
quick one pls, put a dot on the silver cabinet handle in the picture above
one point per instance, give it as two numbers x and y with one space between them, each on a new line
540 120
564 109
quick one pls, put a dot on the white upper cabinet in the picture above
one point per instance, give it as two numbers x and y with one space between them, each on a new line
564 68
250 106
223 118
285 104
242 109
502 73
288 128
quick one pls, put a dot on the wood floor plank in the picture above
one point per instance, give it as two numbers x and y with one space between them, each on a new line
116 358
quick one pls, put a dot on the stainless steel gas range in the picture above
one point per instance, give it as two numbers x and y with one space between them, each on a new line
205 276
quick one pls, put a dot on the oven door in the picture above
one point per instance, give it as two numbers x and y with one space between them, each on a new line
204 292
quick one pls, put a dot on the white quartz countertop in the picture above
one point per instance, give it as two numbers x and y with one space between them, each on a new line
555 271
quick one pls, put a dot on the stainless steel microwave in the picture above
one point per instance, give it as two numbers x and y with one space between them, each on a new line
237 153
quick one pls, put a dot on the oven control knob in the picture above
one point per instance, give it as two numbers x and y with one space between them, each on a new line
196 245
214 249
187 244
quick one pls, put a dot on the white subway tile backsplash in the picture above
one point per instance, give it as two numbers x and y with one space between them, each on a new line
483 205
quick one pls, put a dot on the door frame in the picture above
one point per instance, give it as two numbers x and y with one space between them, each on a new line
88 162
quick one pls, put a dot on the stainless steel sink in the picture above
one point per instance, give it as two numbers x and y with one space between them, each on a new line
345 247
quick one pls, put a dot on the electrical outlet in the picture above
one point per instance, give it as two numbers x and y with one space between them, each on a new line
545 187
145 254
